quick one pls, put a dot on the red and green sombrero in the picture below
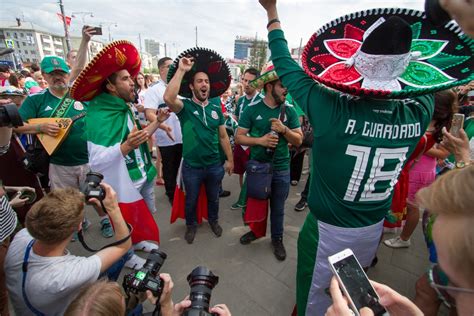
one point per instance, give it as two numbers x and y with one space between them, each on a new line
208 61
439 57
116 56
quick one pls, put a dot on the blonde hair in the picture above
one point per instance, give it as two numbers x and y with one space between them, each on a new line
452 195
102 298
56 216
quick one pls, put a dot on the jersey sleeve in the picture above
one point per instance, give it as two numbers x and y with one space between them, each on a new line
320 104
28 109
244 119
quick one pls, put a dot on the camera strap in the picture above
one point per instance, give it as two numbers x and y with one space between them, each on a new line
25 270
80 236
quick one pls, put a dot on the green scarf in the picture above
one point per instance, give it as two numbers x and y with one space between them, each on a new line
107 125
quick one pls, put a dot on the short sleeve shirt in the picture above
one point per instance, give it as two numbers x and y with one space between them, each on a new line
256 118
200 129
73 150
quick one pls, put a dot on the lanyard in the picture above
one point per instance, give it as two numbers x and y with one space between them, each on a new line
25 270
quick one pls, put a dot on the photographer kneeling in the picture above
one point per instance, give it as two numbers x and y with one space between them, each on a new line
42 276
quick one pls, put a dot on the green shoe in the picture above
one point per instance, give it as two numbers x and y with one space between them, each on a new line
237 206
106 228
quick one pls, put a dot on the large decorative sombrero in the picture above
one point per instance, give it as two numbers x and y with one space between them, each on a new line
116 56
437 59
268 75
208 61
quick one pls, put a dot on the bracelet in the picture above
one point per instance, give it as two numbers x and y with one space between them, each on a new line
38 128
272 21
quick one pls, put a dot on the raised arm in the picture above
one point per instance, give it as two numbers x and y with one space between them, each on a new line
81 59
172 90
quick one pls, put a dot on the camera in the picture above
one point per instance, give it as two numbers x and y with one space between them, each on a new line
91 187
146 278
9 116
202 281
435 14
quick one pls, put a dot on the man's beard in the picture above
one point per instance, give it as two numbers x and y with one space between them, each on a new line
197 95
127 97
279 99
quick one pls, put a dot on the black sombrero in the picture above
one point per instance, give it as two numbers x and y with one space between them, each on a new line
208 61
356 54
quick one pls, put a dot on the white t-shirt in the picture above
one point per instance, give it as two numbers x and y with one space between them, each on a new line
154 100
52 283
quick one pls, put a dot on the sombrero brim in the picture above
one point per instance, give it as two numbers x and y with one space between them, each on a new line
446 55
267 77
116 56
208 61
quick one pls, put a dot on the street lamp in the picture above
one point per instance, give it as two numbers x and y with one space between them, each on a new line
82 15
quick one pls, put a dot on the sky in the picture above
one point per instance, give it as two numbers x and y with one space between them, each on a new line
174 22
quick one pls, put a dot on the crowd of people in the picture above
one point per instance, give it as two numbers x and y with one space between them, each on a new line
378 134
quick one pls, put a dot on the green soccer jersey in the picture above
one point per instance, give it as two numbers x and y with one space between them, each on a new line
360 144
200 129
256 118
244 101
73 150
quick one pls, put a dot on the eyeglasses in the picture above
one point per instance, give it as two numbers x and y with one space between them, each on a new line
439 282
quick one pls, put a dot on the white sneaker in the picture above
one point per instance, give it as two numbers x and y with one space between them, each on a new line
397 242
135 262
145 246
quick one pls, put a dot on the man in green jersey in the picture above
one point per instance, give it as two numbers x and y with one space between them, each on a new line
69 163
199 74
361 142
241 152
260 128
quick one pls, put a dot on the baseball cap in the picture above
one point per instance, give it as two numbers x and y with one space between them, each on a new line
52 63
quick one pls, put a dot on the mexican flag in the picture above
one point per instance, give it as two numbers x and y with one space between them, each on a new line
109 120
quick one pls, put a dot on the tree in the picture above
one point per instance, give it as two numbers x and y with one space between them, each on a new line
258 54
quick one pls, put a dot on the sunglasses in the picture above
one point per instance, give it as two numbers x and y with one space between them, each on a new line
439 281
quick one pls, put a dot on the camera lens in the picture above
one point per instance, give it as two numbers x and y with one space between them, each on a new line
9 116
154 261
94 178
202 281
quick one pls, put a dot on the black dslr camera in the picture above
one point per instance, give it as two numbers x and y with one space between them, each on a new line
202 281
9 116
91 187
147 277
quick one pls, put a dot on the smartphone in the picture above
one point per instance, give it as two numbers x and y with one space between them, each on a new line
354 282
456 124
97 30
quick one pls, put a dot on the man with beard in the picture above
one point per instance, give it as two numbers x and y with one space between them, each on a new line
116 141
261 128
241 152
201 75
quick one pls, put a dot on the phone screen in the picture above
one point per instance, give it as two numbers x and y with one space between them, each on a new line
357 285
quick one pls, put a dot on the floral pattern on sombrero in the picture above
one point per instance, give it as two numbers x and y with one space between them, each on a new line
440 58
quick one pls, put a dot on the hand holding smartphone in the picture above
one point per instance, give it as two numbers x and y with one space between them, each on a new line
354 282
456 124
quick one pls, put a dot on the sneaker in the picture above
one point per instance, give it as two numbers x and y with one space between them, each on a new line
106 228
397 242
135 262
301 205
278 249
224 193
237 206
216 229
190 234
145 246
247 238
294 182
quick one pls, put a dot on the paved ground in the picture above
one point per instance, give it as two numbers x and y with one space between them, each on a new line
252 281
